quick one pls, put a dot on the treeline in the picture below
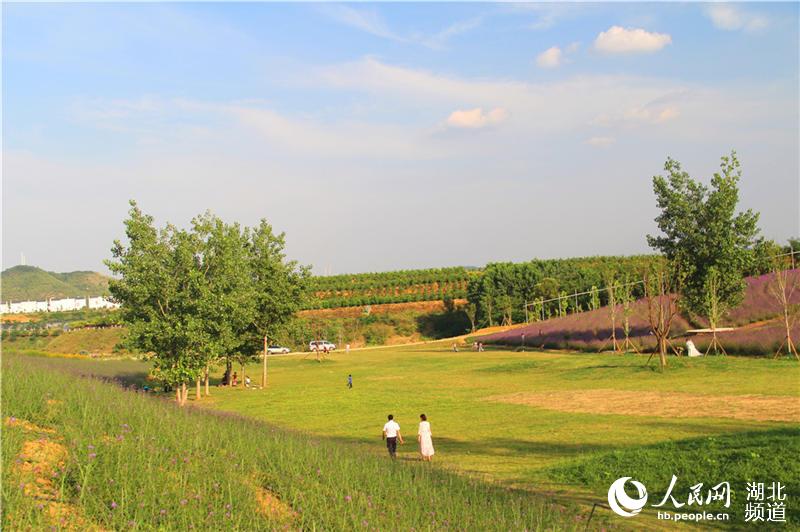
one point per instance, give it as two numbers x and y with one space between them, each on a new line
557 287
401 286
549 287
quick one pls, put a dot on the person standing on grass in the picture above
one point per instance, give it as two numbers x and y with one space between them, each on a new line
349 381
424 438
391 433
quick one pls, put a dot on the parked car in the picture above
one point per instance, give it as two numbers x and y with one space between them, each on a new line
321 345
278 350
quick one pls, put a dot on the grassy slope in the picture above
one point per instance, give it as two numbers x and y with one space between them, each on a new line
78 341
89 283
132 462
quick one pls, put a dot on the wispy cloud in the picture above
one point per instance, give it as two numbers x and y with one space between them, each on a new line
440 39
368 20
371 21
731 18
547 15
619 40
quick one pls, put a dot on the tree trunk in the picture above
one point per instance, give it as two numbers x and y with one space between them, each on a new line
243 375
207 390
228 371
264 370
178 395
197 391
662 351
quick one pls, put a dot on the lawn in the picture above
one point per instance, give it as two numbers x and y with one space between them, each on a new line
497 414
561 424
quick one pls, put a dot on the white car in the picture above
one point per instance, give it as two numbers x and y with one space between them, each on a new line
278 350
321 345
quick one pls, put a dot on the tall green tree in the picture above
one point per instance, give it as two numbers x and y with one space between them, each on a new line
703 232
279 288
226 304
158 285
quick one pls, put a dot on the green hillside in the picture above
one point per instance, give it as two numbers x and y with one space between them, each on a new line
31 283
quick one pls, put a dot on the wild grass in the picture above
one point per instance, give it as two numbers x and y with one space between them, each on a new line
136 462
765 457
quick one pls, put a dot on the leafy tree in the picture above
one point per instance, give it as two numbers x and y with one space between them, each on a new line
701 231
159 286
226 303
279 287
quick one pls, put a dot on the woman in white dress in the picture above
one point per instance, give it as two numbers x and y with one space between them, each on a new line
424 438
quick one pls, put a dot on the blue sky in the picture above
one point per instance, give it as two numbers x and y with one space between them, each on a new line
387 136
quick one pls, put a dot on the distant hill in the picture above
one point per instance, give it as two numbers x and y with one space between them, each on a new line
25 283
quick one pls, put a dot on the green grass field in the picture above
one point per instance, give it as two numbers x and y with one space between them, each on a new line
558 424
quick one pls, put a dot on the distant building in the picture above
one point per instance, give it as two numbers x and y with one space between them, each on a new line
57 305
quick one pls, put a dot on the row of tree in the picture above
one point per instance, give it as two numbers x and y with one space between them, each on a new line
358 300
399 278
549 287
192 298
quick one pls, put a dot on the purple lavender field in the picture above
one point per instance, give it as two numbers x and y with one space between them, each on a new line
759 332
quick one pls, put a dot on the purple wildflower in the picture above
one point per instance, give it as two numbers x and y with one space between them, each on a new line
113 505
92 456
348 498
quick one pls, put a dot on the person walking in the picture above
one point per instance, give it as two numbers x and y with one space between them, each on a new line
424 438
349 381
391 433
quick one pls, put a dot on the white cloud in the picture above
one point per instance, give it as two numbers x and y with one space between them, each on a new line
550 58
601 142
731 18
476 118
619 40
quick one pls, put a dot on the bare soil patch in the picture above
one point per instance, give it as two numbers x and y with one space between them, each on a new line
271 506
661 404
38 468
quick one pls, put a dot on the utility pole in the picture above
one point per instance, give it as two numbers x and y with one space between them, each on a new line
264 370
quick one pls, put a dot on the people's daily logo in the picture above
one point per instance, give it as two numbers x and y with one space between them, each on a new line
621 502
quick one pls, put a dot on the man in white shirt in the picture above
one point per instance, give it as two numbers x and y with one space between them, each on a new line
391 433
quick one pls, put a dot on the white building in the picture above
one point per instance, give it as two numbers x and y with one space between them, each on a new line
57 305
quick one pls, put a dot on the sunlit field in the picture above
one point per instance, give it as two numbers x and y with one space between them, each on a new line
558 425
